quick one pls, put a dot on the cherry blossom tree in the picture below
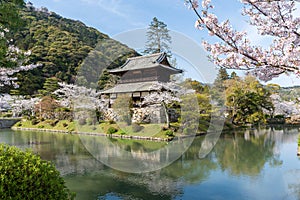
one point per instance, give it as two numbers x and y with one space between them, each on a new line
165 93
12 59
69 94
20 105
276 19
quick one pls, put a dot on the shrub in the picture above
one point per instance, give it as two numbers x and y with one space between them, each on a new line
26 176
279 117
7 115
34 121
53 122
111 130
169 133
111 122
65 124
136 127
122 133
41 126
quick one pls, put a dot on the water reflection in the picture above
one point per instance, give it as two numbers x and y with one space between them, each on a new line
240 166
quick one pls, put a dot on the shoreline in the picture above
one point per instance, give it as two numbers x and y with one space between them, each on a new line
133 137
155 139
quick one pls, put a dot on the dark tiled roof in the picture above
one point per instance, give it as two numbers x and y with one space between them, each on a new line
143 62
130 87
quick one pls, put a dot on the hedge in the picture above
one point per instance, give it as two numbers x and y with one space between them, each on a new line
24 175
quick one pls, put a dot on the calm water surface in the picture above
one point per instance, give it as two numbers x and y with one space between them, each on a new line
254 164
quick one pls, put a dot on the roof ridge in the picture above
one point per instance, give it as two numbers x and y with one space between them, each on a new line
145 56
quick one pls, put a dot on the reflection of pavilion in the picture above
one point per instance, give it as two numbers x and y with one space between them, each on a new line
138 74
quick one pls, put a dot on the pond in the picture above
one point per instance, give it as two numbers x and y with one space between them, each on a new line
253 164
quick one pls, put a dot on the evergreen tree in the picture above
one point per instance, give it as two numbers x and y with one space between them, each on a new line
233 75
9 14
218 86
158 38
50 85
106 80
64 48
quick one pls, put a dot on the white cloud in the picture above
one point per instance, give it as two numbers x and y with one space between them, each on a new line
113 6
119 8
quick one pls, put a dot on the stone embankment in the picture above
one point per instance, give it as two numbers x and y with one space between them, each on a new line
8 122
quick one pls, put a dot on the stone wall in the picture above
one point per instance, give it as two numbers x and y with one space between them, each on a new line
8 123
149 114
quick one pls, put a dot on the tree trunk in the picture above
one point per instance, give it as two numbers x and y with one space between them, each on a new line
166 113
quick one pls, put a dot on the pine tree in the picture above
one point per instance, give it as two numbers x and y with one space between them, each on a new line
218 86
50 85
158 38
221 77
233 75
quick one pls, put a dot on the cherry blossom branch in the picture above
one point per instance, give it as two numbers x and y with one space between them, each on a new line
272 18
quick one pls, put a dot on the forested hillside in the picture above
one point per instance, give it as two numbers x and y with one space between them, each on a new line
64 47
290 93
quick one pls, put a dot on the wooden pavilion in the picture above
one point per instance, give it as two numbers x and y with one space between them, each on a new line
139 74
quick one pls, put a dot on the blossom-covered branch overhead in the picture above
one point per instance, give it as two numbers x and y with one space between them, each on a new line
272 18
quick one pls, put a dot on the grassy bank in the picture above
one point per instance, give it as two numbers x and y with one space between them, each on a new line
144 130
117 130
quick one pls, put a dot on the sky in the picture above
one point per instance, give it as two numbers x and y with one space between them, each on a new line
127 21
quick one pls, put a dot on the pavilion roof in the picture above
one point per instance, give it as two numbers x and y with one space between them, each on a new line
147 61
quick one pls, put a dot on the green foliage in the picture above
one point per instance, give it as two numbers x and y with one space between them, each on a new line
34 121
247 99
169 133
158 38
7 115
121 132
217 92
41 126
106 80
111 122
9 19
50 85
290 94
111 130
52 122
66 49
25 176
233 75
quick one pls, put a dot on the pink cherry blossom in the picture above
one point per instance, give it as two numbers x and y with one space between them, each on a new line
275 19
